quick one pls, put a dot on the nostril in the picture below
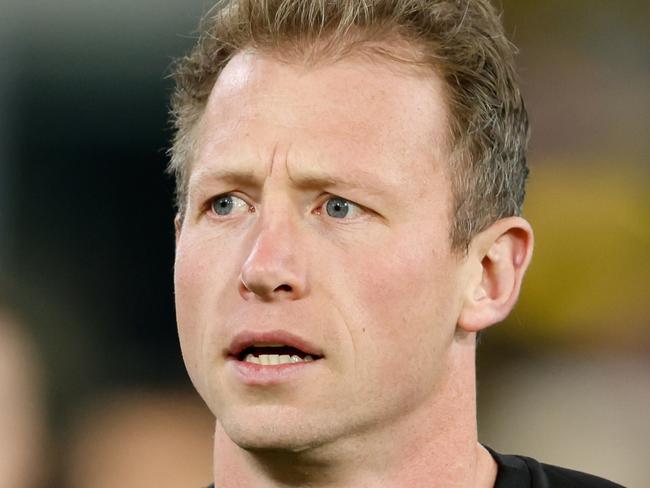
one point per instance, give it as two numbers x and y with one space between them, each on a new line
283 288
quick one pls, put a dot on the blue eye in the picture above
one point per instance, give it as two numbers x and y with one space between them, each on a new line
339 208
227 204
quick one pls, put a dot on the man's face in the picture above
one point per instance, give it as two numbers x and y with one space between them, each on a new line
317 217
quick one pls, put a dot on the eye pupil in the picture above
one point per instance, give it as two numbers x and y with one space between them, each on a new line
337 207
222 205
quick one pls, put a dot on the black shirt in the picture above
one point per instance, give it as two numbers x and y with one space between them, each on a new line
525 472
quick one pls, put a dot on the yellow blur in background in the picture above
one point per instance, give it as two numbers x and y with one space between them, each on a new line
566 378
588 283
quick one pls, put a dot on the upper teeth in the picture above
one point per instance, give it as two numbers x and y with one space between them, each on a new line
275 359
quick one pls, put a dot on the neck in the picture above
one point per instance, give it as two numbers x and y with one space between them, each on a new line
433 446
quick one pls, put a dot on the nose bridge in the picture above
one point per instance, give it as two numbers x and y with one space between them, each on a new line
277 212
271 241
274 266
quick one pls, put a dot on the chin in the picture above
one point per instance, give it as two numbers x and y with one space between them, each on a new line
272 429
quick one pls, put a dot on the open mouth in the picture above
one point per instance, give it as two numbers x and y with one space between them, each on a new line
269 355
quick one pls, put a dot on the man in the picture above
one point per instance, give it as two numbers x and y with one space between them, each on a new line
350 176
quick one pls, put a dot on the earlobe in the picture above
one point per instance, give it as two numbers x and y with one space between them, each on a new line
497 261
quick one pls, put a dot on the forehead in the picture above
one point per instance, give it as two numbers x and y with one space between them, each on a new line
370 112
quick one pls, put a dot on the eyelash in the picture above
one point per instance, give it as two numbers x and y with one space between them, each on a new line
251 209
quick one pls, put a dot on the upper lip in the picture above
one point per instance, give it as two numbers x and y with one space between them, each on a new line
248 338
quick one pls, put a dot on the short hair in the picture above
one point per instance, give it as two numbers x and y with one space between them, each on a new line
462 41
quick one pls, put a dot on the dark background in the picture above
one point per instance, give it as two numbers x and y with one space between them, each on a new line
87 228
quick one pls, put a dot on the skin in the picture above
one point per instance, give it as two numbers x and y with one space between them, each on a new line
22 463
380 291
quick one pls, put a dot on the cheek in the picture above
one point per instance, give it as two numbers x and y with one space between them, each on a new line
185 291
196 285
189 280
404 304
203 268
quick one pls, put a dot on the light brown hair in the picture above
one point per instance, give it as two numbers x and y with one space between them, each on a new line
462 41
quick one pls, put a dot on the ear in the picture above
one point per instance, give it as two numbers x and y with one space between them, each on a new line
497 261
178 223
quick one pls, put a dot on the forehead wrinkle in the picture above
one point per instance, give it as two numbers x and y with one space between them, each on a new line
275 155
308 176
249 173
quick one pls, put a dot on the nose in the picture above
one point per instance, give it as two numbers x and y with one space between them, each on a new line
274 268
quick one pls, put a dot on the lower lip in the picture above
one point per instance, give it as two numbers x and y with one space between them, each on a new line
253 374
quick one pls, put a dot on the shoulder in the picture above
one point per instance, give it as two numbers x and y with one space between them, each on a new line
521 471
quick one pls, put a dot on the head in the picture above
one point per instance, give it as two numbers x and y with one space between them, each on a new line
462 42
350 173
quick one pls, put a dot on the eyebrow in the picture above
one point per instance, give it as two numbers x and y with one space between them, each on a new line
310 179
225 175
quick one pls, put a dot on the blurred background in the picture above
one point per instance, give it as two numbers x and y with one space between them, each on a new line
93 391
